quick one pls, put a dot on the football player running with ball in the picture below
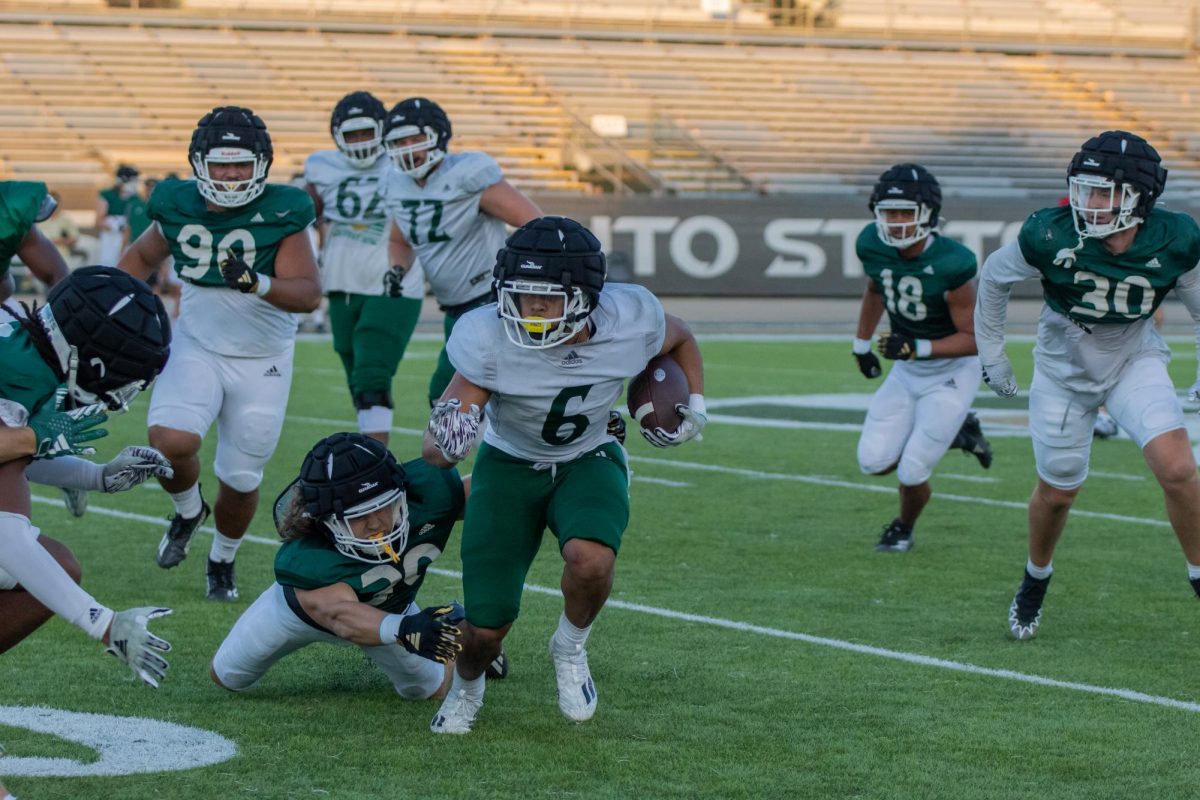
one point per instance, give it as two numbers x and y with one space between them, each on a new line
547 363
242 250
926 283
101 338
1106 261
371 313
359 531
450 211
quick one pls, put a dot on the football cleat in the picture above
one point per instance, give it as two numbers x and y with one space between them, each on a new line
76 501
1025 613
576 691
970 439
173 548
897 538
1105 427
497 668
1195 587
221 584
457 713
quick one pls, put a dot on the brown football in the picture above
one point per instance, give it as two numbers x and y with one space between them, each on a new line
655 391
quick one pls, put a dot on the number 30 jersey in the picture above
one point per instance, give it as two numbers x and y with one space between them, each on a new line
914 290
221 319
552 405
455 241
354 257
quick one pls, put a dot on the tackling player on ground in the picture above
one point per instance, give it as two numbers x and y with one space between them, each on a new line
241 247
372 312
448 209
547 362
1105 261
926 283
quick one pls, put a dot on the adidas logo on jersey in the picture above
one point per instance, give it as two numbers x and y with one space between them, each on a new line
426 528
928 270
273 372
258 217
572 359
1153 263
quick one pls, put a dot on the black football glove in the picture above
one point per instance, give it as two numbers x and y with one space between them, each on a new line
392 280
616 426
868 364
433 632
237 275
897 346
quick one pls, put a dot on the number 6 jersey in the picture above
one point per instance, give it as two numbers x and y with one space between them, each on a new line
224 320
551 405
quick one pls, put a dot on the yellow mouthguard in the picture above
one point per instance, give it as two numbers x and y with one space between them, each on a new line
537 327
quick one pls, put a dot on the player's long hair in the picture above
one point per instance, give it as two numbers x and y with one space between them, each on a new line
296 524
32 323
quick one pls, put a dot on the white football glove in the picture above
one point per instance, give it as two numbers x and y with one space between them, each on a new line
999 377
695 417
134 466
454 431
136 647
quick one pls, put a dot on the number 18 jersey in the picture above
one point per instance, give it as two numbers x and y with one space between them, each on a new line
552 405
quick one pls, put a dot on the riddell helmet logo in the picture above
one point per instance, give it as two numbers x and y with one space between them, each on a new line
531 266
1091 162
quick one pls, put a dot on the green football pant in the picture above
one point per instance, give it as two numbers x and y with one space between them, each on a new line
370 334
511 504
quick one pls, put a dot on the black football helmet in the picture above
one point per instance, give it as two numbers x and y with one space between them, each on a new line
906 187
348 476
1113 182
231 135
105 333
550 257
359 111
417 116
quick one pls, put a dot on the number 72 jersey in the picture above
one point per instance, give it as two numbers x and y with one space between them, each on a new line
914 290
1091 285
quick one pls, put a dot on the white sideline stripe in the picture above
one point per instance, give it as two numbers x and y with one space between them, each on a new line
661 482
968 478
814 479
1117 476
838 644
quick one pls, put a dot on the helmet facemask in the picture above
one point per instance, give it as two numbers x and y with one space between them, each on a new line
372 546
404 156
230 194
909 229
1100 206
363 153
538 332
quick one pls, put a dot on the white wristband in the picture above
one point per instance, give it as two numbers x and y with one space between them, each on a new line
924 348
696 404
861 346
264 285
389 628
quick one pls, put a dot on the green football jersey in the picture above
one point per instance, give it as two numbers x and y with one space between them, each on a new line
20 202
201 239
914 290
435 502
1091 284
137 212
26 380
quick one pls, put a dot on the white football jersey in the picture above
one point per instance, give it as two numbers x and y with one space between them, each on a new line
456 243
552 405
354 257
235 324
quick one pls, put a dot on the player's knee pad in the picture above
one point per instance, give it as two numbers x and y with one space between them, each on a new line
873 460
373 397
1063 469
913 471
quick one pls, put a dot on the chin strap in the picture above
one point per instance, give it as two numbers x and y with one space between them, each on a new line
72 375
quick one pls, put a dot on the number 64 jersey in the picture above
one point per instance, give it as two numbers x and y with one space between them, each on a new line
1099 307
225 320
551 405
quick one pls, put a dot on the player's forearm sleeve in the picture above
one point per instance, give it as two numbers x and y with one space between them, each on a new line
1000 272
67 472
31 566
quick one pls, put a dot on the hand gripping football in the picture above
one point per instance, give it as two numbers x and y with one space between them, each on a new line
655 391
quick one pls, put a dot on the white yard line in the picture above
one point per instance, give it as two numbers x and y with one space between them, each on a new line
954 476
1116 476
777 633
661 482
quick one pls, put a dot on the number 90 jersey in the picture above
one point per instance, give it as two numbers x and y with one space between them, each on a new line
225 320
435 502
1090 284
552 405
914 290
355 254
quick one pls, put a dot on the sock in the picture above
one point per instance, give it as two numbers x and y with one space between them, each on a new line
376 419
1193 571
223 548
473 688
188 503
1041 573
570 636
